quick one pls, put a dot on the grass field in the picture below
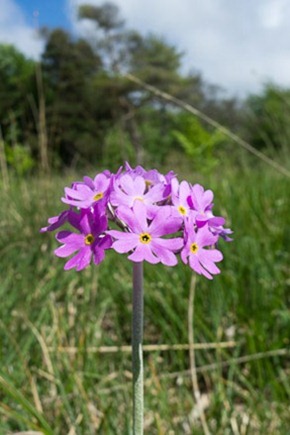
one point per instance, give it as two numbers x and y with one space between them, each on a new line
44 311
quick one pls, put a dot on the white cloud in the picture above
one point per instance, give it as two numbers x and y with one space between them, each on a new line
14 30
236 44
272 13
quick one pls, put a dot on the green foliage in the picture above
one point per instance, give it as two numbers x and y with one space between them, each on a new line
19 158
155 131
28 414
15 74
117 147
198 143
105 16
73 115
267 124
77 95
156 62
17 89
113 40
86 101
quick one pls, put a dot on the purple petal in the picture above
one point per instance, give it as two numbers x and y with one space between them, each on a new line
98 223
80 260
143 252
174 187
207 198
184 192
216 221
127 184
139 186
82 204
74 219
164 223
70 238
201 217
211 254
101 183
104 242
85 191
120 235
89 182
165 256
196 266
127 215
66 250
99 256
118 198
206 262
122 246
184 254
171 244
85 222
74 194
56 221
140 212
155 194
205 238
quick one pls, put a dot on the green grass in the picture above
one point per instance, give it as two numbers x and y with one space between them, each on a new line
43 308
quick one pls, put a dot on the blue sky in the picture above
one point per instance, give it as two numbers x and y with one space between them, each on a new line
52 13
239 45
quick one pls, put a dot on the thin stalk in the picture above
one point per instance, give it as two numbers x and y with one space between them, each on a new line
137 352
41 125
3 164
195 387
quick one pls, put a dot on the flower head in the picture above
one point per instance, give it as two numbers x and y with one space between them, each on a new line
88 193
144 240
90 241
158 219
201 260
128 189
180 194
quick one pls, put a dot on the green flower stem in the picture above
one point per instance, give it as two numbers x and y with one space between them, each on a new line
137 352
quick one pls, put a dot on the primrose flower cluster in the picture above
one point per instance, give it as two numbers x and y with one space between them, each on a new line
150 216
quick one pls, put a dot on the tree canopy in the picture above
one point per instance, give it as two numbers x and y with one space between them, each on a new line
90 112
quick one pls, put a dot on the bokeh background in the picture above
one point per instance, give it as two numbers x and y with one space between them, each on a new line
199 88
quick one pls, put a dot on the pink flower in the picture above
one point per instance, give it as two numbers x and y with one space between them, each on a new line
201 260
179 197
127 190
200 201
149 208
152 176
145 239
90 192
90 241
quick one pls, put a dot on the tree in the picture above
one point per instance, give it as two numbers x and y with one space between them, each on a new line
70 67
16 84
151 58
267 120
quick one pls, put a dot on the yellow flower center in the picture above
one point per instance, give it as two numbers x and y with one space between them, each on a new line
194 248
148 183
182 210
138 198
89 239
98 196
145 238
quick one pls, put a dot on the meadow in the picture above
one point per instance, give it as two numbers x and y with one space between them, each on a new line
61 372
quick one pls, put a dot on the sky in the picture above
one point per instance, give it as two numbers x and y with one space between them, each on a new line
238 45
